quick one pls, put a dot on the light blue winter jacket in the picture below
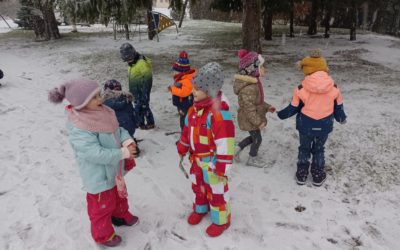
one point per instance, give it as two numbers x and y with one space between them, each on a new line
97 156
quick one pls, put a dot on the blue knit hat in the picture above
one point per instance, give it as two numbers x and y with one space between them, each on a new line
182 64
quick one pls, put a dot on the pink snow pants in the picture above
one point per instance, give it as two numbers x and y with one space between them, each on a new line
101 207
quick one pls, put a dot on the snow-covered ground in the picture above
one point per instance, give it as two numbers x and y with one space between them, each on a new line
7 24
42 204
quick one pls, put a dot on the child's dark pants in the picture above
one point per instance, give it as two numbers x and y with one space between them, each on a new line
311 145
254 139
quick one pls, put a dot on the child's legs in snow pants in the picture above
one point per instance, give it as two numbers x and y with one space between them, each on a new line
318 160
311 145
101 207
254 139
182 116
210 193
144 114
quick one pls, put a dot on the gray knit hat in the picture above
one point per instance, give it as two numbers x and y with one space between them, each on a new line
210 78
128 52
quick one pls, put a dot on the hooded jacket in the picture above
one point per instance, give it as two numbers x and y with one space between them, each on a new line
317 101
98 156
209 136
182 90
251 112
121 103
140 77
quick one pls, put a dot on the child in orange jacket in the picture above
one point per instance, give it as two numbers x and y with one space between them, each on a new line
182 88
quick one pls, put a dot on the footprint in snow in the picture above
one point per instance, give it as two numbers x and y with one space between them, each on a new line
246 187
265 193
73 228
316 204
7 156
178 194
274 203
157 191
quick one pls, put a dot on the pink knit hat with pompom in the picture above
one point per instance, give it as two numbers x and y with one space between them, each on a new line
250 63
78 92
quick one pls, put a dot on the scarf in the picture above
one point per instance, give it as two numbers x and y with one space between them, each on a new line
208 102
216 103
179 76
102 119
260 88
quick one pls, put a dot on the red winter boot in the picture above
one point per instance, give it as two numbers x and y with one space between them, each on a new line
195 218
215 230
133 221
113 242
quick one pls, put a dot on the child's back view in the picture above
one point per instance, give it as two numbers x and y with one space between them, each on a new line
316 102
121 102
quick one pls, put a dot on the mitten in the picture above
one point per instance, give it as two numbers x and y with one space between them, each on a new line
178 84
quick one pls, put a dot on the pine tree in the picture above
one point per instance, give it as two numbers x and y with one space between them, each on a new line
40 16
24 15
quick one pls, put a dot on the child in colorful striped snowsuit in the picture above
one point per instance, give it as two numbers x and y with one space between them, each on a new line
208 137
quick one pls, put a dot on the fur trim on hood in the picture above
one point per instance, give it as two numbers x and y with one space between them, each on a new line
241 81
111 94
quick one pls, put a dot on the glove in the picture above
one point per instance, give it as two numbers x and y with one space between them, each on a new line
178 84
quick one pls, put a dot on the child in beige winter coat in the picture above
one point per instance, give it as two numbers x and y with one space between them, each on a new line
252 107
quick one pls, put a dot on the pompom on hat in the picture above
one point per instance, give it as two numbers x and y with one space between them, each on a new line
313 63
182 64
250 63
78 92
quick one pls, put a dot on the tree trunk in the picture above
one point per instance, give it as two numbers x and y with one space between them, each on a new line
353 20
267 23
376 23
291 29
151 32
73 21
38 27
251 25
50 23
328 16
183 13
71 14
394 26
126 27
397 23
312 27
365 8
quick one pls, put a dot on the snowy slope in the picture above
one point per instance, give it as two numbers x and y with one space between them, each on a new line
42 204
5 25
